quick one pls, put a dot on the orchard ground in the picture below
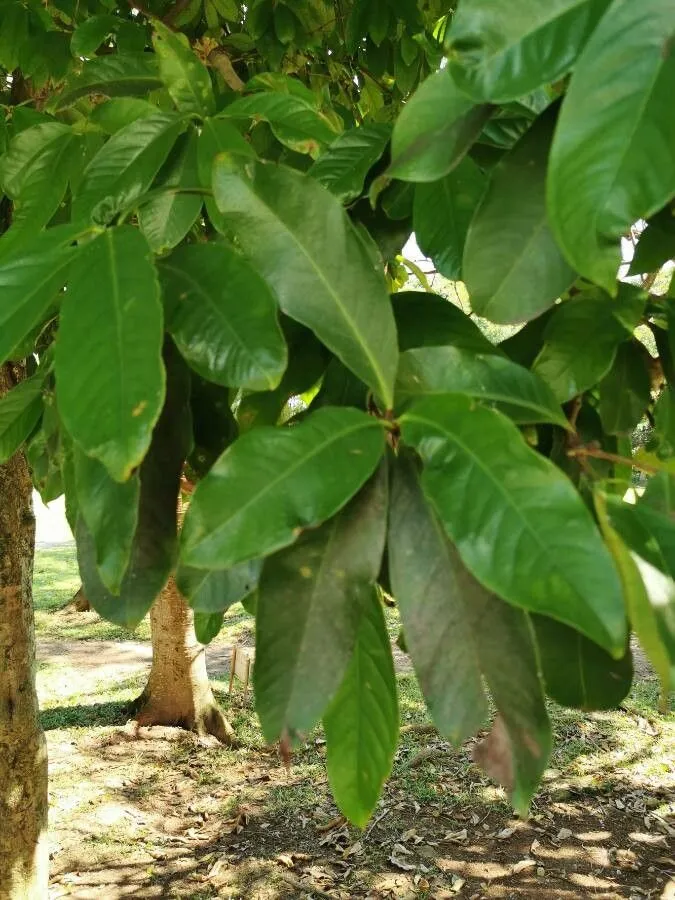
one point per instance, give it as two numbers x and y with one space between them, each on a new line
160 813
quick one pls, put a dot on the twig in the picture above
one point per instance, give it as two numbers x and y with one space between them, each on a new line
222 63
596 453
374 823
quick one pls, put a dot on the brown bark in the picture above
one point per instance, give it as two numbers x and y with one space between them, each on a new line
24 858
80 601
178 690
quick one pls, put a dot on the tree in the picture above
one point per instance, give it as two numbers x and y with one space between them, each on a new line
24 857
209 205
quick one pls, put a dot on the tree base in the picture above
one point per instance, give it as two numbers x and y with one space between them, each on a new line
208 719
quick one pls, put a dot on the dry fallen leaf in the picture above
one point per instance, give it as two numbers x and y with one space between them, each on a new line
456 836
523 865
401 863
504 834
564 834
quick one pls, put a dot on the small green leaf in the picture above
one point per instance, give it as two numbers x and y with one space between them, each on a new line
441 215
313 260
518 393
613 163
577 672
625 391
125 167
223 317
656 244
434 130
513 267
207 626
110 512
460 635
343 167
108 352
501 51
270 484
90 34
114 75
361 723
184 74
20 411
310 599
209 591
519 525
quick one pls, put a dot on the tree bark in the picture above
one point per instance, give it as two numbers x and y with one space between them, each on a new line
80 601
24 857
178 690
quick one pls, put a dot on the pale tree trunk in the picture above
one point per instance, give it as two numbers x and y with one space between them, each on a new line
24 857
178 690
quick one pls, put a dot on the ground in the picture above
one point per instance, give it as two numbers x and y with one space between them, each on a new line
162 814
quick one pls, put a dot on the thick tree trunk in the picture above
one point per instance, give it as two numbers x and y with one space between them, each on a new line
80 601
24 858
178 690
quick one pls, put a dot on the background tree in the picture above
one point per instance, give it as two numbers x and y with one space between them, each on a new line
209 204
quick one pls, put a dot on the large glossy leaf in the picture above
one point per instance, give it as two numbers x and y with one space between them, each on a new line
612 161
184 74
211 591
125 167
223 317
429 320
517 392
154 544
310 599
577 672
580 342
20 411
108 353
270 485
110 511
35 172
113 75
501 51
513 267
441 215
517 521
361 723
300 240
460 635
343 167
167 218
625 391
434 130
295 123
30 280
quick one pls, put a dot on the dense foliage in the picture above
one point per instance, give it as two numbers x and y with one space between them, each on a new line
204 210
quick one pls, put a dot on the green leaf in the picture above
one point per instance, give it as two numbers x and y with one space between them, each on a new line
361 723
20 411
580 342
577 672
519 525
167 218
499 51
14 22
209 591
114 75
184 74
30 281
154 545
35 171
612 160
434 130
441 215
656 244
270 485
207 626
310 599
300 240
214 426
625 391
295 123
45 451
218 136
430 320
343 167
118 112
513 267
518 393
110 512
108 353
125 167
644 619
90 34
223 317
460 635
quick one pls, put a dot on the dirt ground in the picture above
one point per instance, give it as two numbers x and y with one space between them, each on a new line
160 813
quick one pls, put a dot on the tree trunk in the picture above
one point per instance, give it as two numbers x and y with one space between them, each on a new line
178 690
80 601
24 857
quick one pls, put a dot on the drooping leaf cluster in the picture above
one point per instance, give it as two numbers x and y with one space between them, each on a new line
203 215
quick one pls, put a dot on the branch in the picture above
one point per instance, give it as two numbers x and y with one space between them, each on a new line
222 63
597 453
